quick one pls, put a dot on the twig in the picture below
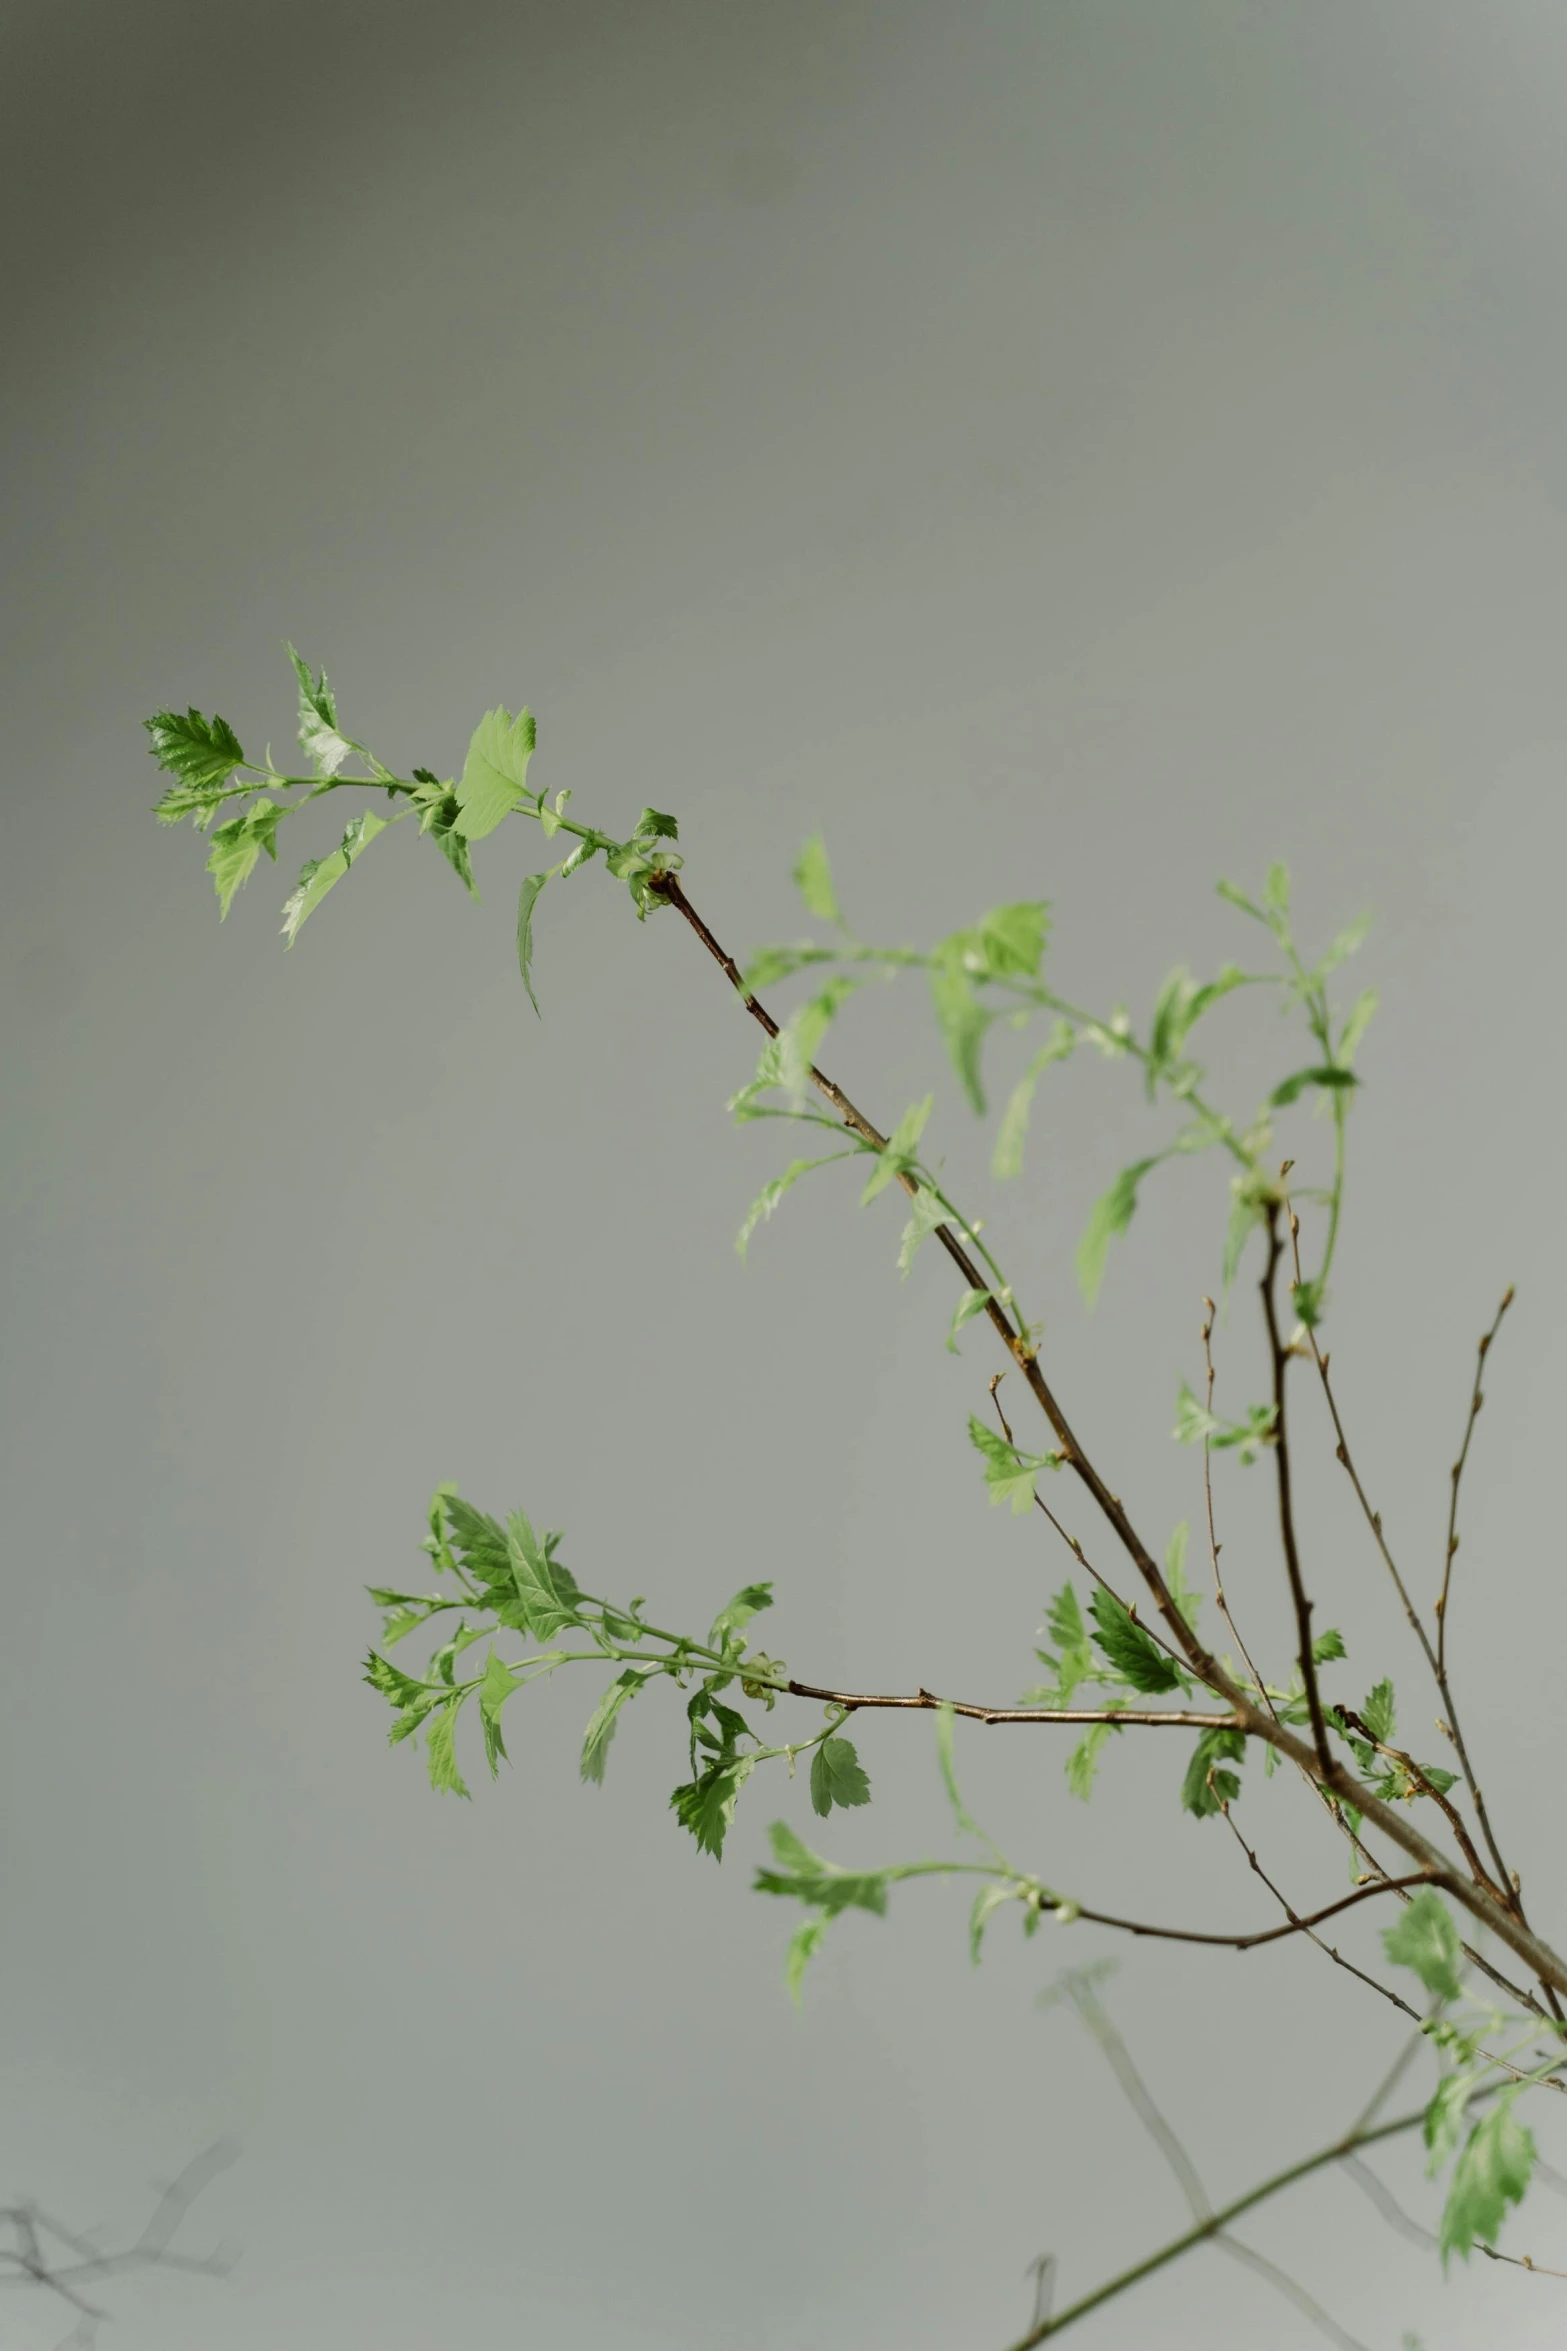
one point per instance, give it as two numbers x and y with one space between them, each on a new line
26 2262
1213 1539
1336 1956
1476 1399
1328 1765
1148 1718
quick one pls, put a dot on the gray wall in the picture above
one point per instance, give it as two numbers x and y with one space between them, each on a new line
1074 449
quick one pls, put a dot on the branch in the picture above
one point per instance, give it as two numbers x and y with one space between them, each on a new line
1281 1454
1207 1489
1148 1718
1476 1399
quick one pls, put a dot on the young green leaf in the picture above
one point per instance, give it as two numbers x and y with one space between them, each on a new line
1009 1474
1328 1647
767 1199
494 779
822 1884
902 1149
837 1777
737 1613
440 1749
813 880
1492 2172
1426 1939
926 1217
1129 1648
706 1806
237 845
971 1303
202 752
963 1019
987 1902
1011 939
946 1756
1111 1214
1443 2126
545 1589
605 1716
1378 1713
1356 1025
1083 1762
1205 1787
496 1687
652 825
1013 1131
324 747
528 898
1291 1088
804 1944
324 873
1186 1600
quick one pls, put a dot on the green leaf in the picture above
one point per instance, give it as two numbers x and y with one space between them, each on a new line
1013 1131
1201 1796
971 1303
927 1214
323 874
1426 1939
1276 891
1349 942
528 898
837 1777
1083 1762
987 1902
1291 1088
822 1884
1492 2172
748 1602
400 1689
813 880
1009 1474
1378 1713
1443 2126
800 1037
1129 1648
325 748
653 825
780 963
478 1541
440 1749
946 1757
1238 897
767 1199
1112 1213
237 845
1012 939
804 1944
494 779
962 1018
1186 1600
546 1590
202 752
1356 1025
902 1149
1328 1647
496 1687
706 1806
602 1721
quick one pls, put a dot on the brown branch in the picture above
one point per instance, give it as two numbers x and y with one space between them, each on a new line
1306 1926
1281 1455
1476 1399
1147 1718
1213 1539
1319 1764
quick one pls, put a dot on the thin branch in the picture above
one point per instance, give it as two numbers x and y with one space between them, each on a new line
1328 1766
1291 2289
1209 1311
1397 1999
1382 2196
1476 1399
1174 1718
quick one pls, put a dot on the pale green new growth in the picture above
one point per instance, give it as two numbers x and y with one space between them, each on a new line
1135 1662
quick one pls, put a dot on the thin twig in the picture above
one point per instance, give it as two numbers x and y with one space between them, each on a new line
1476 1399
1175 1718
1328 1765
1209 1311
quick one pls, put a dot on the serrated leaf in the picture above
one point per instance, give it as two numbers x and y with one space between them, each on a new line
1444 2117
1493 2171
1276 890
495 1688
1356 1025
546 1589
324 747
653 825
1328 1647
1083 1762
763 1206
902 1149
813 880
1378 1713
737 1613
1112 1212
494 779
706 1806
605 1716
1012 1134
440 1751
1009 1473
971 1303
1426 1940
325 873
837 1777
202 752
801 1035
925 1216
1186 1600
1129 1647
1011 939
1206 1787
946 1757
235 847
806 1877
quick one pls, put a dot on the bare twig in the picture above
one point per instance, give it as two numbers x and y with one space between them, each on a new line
1213 1539
1281 1455
1476 1399
26 2259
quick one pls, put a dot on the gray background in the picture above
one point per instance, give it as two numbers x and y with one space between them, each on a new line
1067 449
